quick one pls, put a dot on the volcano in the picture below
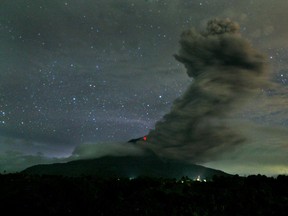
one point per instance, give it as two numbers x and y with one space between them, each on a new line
149 165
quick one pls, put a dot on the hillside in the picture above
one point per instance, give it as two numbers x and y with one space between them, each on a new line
126 166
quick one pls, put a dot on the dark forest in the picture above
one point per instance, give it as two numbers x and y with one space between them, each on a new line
90 195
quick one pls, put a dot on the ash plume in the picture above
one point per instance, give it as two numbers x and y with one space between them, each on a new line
226 70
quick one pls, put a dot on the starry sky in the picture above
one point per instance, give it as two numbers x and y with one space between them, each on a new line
83 77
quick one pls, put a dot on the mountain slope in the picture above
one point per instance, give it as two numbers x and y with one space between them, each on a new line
126 166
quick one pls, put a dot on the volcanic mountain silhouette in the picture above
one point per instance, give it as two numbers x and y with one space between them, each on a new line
149 165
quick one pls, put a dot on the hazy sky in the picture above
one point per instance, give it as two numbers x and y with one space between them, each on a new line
102 72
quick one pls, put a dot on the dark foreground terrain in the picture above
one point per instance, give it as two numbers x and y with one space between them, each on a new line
56 195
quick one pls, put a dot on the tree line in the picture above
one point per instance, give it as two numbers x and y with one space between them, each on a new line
92 195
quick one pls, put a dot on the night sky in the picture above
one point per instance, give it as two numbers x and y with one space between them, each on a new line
78 79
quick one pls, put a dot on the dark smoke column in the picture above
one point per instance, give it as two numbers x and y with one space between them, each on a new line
226 70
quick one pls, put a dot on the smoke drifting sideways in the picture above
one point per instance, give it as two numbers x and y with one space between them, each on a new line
226 70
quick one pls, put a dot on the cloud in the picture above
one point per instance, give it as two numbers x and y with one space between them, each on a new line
27 154
96 150
17 154
16 161
265 151
226 70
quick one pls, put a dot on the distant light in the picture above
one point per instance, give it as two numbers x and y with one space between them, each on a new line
198 178
144 138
